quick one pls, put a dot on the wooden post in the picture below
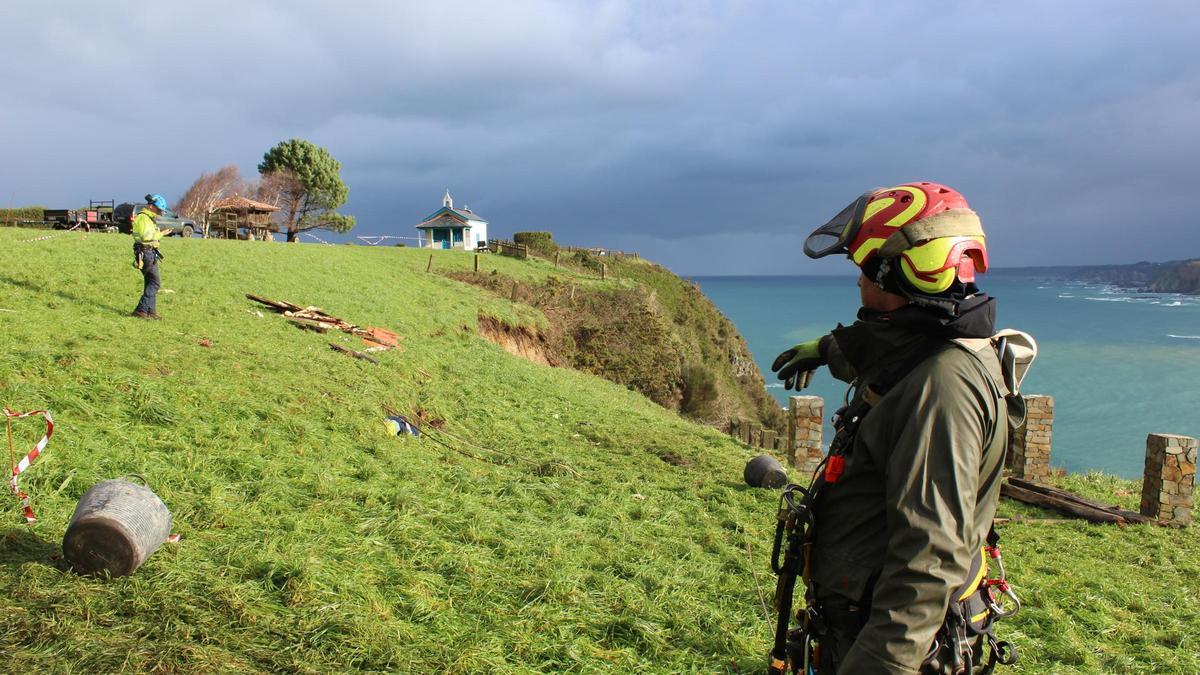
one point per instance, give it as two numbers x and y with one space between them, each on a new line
514 291
476 262
572 292
733 428
556 259
603 271
429 265
768 439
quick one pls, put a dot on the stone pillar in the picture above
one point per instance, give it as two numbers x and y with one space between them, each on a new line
1029 445
1169 477
805 416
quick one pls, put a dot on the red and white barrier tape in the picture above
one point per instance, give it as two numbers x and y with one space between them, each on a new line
20 467
26 241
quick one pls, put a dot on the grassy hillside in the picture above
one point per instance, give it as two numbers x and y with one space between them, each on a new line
649 330
565 523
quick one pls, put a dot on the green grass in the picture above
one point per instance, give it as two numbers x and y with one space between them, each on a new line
314 542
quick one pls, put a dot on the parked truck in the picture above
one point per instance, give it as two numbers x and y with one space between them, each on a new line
171 223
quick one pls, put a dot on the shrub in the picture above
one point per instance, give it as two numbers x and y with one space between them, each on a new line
538 242
699 389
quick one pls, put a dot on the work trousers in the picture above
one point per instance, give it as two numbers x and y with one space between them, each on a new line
150 274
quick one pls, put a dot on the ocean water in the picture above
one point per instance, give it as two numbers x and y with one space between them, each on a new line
1119 364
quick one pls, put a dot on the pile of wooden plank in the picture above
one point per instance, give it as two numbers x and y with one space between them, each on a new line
316 319
1067 502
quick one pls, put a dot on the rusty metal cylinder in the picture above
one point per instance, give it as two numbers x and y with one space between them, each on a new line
117 525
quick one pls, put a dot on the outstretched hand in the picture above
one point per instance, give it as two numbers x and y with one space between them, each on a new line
796 365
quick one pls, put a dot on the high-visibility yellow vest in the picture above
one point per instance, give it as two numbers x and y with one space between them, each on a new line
145 232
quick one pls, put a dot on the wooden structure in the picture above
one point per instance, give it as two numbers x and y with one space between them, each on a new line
508 248
241 218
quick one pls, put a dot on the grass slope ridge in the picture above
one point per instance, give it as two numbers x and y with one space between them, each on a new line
646 329
313 542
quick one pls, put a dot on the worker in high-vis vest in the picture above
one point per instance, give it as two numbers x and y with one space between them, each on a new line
146 255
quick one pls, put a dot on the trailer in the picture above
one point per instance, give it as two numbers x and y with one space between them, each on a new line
97 216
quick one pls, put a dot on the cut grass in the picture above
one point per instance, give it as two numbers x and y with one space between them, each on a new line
314 542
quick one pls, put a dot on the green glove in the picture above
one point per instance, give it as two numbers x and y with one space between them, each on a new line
795 366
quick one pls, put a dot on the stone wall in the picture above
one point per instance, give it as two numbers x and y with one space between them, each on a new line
805 416
1029 445
1170 476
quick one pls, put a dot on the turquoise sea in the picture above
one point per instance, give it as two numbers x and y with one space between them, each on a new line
1119 364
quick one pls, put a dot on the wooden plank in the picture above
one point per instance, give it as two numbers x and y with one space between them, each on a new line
351 352
1059 504
275 304
1131 516
309 324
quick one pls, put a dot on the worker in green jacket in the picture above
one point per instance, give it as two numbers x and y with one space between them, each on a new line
906 505
146 256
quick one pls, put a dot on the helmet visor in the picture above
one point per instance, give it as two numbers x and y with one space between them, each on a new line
836 235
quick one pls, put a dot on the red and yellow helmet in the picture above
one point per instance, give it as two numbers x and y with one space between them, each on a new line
924 230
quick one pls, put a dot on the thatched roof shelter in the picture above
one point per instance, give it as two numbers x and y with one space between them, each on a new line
236 213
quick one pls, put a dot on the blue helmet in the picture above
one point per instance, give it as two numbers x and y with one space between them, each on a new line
158 201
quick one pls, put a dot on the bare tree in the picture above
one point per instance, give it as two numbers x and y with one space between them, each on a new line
202 197
285 190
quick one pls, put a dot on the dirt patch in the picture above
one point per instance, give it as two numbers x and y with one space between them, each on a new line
527 343
673 459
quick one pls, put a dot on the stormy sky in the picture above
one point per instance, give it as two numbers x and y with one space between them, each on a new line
709 136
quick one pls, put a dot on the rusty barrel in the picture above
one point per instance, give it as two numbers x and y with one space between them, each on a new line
116 526
765 471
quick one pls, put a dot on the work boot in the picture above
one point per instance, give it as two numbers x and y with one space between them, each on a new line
154 315
140 314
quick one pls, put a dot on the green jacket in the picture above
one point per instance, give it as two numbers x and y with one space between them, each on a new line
145 231
896 534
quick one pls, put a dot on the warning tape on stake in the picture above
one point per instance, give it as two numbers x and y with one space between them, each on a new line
20 467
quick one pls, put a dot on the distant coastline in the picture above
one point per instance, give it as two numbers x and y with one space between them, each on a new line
1176 276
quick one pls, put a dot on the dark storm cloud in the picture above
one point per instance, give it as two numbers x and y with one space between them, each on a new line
710 136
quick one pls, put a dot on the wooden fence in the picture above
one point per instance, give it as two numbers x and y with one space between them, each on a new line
756 436
605 252
508 248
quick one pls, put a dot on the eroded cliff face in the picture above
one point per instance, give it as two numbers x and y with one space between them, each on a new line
523 341
660 336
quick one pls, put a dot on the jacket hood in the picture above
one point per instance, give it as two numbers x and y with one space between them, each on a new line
880 338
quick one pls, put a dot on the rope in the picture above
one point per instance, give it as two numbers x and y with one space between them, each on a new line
509 454
307 234
762 598
26 241
425 431
20 467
